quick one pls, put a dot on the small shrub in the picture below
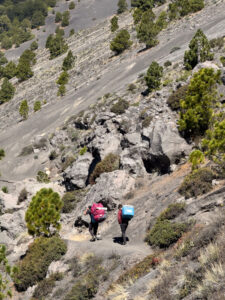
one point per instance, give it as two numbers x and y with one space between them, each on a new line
72 31
33 46
5 189
68 62
197 183
139 270
27 150
42 177
22 196
222 59
167 63
147 121
83 150
37 105
174 99
114 23
53 155
196 158
61 90
70 200
217 42
164 233
34 266
131 87
2 153
71 5
153 76
120 107
172 211
46 286
63 78
108 164
174 49
24 109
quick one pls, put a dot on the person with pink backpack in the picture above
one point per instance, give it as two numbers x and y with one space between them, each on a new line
97 214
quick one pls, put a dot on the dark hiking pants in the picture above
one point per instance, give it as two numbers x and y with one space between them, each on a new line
123 227
93 228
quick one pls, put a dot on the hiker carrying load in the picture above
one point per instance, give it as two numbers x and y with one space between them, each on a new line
97 214
125 214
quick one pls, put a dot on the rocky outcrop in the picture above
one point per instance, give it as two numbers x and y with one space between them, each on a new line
76 175
110 188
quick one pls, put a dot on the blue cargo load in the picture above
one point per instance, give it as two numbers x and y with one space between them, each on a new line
127 212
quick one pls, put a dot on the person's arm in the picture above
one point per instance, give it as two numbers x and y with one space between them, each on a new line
86 211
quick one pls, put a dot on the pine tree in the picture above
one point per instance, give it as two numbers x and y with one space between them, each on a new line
199 50
114 23
24 109
122 6
68 61
23 70
121 42
153 76
196 108
7 91
43 214
147 30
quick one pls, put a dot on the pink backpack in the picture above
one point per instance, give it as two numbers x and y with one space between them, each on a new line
98 212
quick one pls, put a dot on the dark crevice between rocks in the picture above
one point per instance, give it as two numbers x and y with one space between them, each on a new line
96 160
160 164
146 139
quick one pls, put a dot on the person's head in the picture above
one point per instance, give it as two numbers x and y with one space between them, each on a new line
120 206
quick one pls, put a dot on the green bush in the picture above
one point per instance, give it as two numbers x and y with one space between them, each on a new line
153 76
147 121
83 150
167 63
58 17
5 189
222 59
214 141
147 30
199 50
56 45
114 23
121 42
34 46
46 286
65 18
53 155
63 78
24 109
164 233
2 153
68 61
61 90
43 214
120 107
122 6
172 211
6 275
217 42
196 158
10 70
34 266
108 164
71 5
72 31
70 200
197 183
196 108
7 91
174 99
37 106
23 70
22 196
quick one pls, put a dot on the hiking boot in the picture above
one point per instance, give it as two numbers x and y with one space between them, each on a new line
93 239
98 238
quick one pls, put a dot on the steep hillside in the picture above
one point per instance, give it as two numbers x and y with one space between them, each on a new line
119 135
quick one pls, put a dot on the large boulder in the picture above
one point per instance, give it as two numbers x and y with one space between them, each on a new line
110 188
13 224
77 174
8 202
166 145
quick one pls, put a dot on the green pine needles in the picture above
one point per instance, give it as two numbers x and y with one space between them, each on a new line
197 107
43 214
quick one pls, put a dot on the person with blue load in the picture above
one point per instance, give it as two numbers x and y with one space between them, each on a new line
123 224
